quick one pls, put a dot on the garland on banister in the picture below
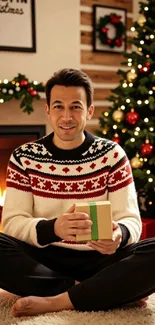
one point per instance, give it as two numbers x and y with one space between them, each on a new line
102 30
21 88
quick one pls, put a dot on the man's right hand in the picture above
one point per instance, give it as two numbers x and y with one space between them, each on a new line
71 223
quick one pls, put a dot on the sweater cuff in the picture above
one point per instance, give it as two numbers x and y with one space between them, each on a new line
45 232
125 235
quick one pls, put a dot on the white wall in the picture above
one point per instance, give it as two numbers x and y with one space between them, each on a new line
57 38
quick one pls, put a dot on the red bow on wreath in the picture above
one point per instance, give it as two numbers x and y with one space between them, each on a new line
115 19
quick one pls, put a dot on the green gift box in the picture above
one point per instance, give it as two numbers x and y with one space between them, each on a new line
101 216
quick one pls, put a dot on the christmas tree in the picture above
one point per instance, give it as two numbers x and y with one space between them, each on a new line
130 119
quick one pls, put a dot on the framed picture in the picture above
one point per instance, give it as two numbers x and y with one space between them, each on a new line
109 29
17 26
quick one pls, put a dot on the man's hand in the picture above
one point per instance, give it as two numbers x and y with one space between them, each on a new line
108 246
72 223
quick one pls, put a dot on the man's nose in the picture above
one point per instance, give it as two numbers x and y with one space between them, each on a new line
67 114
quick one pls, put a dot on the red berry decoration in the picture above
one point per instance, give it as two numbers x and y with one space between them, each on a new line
132 117
23 82
146 149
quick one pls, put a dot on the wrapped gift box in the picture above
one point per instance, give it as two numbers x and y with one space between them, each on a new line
148 228
101 215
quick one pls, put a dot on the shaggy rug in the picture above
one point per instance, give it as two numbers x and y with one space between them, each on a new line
129 315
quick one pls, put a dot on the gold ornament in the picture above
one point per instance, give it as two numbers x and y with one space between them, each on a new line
118 115
136 162
131 76
141 20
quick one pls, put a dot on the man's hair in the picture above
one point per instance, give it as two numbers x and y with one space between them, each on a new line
69 78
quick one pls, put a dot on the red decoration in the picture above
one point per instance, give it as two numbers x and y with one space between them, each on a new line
104 29
23 82
147 64
132 117
116 139
119 41
33 92
115 19
109 41
146 149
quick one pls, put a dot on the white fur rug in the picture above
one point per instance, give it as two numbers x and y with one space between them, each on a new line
130 315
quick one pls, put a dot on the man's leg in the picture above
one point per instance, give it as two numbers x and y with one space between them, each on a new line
127 280
24 269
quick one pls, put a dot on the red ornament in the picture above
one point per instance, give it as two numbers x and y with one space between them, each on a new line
119 42
33 92
109 41
23 82
146 149
132 117
116 139
147 64
104 30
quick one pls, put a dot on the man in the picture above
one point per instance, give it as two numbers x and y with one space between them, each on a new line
41 260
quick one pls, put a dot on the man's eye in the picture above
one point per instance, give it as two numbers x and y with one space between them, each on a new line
58 106
76 107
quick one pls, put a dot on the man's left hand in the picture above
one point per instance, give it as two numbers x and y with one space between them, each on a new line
106 246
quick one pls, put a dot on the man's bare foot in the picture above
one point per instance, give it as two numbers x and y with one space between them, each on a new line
31 306
142 302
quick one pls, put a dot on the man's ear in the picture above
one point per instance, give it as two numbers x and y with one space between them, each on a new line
90 112
47 111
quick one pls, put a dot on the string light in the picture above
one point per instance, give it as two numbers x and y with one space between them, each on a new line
122 107
146 101
145 159
141 42
150 180
5 81
136 133
1 101
128 100
147 56
124 85
150 92
139 66
151 36
106 114
151 129
137 128
124 130
148 172
139 102
139 49
146 8
146 120
130 84
132 28
114 126
150 202
35 82
132 139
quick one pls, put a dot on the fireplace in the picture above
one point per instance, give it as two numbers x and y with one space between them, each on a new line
12 137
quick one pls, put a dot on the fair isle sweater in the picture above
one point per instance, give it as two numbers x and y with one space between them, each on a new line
44 181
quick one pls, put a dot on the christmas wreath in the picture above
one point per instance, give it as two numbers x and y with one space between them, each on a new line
102 30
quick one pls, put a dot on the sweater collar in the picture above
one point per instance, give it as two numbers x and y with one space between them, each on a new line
69 153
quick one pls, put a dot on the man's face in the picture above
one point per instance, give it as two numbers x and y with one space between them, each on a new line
68 114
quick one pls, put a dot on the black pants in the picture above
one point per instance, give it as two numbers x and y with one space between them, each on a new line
107 281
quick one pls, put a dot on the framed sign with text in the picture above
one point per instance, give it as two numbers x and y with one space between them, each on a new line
17 25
